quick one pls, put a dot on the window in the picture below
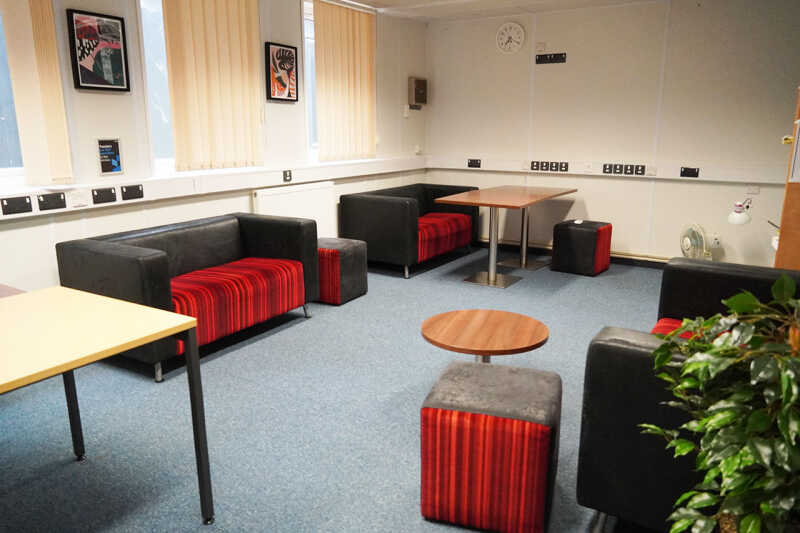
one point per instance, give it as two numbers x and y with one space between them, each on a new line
155 55
10 153
310 67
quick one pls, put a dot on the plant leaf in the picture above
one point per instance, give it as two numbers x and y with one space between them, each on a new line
788 387
701 500
742 303
722 418
682 446
783 289
789 424
685 496
763 370
730 465
662 355
750 524
758 421
704 525
762 450
681 525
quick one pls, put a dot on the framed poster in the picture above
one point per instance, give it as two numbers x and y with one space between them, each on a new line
98 50
110 157
281 72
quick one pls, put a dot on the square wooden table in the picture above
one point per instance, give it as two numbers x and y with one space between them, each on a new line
510 197
54 331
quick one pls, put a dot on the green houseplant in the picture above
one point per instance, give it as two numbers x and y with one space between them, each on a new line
737 378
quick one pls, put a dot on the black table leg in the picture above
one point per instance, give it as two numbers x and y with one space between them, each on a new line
74 415
189 338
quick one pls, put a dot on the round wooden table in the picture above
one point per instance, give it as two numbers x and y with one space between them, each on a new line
484 332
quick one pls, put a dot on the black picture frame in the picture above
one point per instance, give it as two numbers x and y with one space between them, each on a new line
112 66
275 83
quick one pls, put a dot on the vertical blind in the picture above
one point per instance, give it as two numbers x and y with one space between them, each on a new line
214 65
47 67
345 54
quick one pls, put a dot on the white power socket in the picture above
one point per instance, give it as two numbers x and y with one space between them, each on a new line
716 242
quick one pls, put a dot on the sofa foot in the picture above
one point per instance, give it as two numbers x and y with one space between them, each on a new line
598 523
405 271
305 310
159 373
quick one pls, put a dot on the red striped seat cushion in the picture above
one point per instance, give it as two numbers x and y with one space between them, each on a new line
441 232
484 471
231 297
665 326
329 276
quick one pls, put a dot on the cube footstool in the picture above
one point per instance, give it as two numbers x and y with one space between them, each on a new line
490 447
581 247
342 270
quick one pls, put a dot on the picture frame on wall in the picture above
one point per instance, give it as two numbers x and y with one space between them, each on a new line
282 73
99 51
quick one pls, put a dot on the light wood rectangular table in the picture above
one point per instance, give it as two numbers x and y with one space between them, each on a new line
54 331
510 197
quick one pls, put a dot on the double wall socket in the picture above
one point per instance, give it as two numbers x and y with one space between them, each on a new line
287 176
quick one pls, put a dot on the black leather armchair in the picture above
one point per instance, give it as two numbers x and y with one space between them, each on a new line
620 471
387 219
138 265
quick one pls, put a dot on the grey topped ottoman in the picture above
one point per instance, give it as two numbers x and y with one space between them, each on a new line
490 446
342 270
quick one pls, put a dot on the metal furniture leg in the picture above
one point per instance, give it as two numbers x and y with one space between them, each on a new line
492 278
305 310
74 415
405 271
493 236
189 337
158 372
483 358
598 523
523 249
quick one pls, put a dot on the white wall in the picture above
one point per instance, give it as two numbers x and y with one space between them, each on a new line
93 115
665 83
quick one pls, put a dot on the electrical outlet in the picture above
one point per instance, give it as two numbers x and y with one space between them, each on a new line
690 172
629 170
608 168
551 58
104 196
53 200
16 205
534 165
544 165
716 242
287 176
563 166
473 163
618 168
638 170
553 166
132 192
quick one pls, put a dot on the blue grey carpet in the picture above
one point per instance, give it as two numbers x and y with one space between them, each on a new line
313 425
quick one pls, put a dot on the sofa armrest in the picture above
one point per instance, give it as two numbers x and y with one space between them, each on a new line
434 191
388 224
621 471
283 238
694 287
132 273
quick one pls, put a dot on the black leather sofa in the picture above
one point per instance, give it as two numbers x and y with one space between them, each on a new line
620 471
140 266
389 220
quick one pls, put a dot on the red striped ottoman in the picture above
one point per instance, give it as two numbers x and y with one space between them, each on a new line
342 270
581 247
490 447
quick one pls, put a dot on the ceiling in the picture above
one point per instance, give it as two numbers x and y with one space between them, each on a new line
459 9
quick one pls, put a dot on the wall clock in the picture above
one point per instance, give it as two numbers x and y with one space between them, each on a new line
510 37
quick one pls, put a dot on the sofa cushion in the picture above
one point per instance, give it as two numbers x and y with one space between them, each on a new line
230 297
441 232
191 245
668 325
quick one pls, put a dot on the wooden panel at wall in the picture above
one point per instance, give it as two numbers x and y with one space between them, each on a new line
788 255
